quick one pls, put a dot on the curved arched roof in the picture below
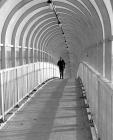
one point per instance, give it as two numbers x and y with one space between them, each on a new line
33 23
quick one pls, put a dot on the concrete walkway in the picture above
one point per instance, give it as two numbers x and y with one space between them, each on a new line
56 112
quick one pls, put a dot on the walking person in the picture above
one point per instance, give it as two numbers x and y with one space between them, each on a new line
61 65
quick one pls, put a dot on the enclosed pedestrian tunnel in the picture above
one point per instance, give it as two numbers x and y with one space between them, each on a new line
35 33
76 30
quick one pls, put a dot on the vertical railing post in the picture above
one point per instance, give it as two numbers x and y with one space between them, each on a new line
27 79
53 67
13 56
50 67
3 56
53 71
2 97
43 63
39 66
21 55
46 65
17 85
99 108
34 75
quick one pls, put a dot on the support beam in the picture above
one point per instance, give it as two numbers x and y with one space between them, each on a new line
13 56
3 57
21 56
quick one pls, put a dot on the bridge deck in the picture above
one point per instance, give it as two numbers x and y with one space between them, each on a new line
56 112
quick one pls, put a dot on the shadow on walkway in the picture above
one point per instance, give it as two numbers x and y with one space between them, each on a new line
42 128
56 112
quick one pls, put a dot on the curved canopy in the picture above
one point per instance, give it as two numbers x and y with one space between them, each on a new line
67 28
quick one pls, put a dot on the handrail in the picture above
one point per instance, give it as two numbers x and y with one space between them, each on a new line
100 77
16 83
99 92
25 65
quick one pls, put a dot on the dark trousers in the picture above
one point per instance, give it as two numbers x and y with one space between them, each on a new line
61 74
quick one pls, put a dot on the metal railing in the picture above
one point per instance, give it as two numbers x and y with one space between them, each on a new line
99 92
18 82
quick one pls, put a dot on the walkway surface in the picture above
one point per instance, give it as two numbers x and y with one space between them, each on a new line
56 112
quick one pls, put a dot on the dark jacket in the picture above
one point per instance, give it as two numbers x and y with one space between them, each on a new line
61 64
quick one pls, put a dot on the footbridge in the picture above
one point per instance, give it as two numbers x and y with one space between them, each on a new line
35 104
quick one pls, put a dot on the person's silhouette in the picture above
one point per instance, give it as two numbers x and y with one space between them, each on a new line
61 65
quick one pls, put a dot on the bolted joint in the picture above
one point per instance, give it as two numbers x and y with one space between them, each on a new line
86 105
59 22
17 106
91 122
1 120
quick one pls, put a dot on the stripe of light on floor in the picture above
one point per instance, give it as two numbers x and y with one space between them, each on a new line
71 122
